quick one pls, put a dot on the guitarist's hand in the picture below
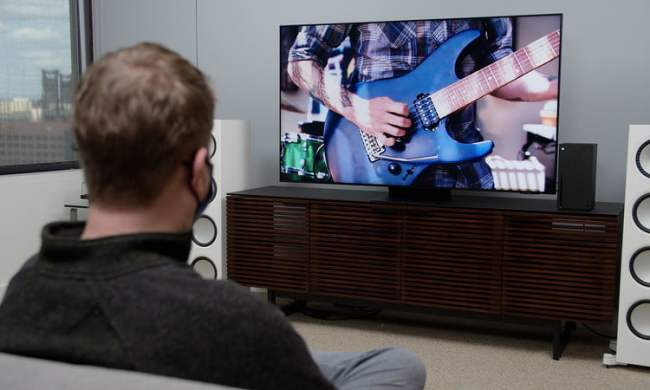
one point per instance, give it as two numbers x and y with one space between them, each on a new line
382 117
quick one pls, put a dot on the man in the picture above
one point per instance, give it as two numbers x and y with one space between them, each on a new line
117 292
385 50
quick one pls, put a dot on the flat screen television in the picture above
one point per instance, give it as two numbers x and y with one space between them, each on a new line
465 103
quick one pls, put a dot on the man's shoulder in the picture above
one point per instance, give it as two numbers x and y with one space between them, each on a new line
22 277
168 291
181 282
162 313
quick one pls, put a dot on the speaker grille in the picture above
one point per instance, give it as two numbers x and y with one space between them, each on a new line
641 213
638 319
643 159
204 231
205 267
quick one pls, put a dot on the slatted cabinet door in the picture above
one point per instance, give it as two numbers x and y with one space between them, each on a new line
451 259
354 250
560 266
268 242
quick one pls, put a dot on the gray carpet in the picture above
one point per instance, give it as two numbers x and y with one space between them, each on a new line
478 354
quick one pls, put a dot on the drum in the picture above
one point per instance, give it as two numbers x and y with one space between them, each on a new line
303 156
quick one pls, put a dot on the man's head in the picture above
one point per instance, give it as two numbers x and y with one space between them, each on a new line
142 119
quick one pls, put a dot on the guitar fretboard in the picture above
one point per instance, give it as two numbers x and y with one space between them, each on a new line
496 75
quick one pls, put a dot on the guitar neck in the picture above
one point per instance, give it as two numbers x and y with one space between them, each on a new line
496 75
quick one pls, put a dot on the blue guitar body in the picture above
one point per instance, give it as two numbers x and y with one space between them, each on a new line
347 157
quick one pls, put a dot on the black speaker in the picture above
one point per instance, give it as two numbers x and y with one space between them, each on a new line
577 176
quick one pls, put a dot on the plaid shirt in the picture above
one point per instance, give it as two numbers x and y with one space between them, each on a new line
384 50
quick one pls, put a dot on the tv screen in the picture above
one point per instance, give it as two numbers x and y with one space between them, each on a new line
467 103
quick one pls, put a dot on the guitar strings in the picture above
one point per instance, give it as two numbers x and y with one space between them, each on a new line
455 92
473 81
551 40
549 43
544 43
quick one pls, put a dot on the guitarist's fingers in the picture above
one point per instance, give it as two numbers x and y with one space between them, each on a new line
394 131
398 108
385 140
398 121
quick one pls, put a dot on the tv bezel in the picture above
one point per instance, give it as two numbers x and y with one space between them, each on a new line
557 134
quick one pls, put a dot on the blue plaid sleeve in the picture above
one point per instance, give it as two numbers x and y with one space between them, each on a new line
316 42
499 39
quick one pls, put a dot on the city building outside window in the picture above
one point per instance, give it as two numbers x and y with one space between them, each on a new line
40 64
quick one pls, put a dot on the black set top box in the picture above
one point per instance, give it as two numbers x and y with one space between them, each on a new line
577 176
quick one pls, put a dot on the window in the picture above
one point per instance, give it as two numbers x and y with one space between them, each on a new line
39 68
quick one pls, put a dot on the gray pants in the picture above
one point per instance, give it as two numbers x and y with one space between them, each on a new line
389 368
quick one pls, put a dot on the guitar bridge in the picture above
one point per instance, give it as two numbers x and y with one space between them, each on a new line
373 148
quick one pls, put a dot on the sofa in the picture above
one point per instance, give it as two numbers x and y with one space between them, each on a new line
23 373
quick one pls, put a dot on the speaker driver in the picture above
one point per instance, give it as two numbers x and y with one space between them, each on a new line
212 149
643 159
213 193
204 231
205 267
640 266
638 319
641 213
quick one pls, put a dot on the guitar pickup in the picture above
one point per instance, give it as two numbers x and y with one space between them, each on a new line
425 111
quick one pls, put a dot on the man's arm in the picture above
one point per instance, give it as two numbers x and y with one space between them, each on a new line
534 86
382 117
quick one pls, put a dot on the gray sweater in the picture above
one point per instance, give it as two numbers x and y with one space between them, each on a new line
131 302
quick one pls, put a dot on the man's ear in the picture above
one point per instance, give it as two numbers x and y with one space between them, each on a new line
200 173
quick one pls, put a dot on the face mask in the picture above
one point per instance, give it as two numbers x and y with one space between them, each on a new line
202 204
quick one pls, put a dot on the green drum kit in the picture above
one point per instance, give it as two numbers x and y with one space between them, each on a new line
303 157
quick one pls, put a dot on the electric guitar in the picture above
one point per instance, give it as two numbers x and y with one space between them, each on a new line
434 92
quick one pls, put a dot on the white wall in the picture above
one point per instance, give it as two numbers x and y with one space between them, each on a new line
605 84
120 23
27 202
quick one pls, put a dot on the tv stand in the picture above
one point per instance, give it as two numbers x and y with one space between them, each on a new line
419 194
514 259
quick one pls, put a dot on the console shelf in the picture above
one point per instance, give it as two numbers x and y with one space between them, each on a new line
511 258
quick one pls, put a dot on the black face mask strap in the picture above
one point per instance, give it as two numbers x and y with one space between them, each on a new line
200 204
203 204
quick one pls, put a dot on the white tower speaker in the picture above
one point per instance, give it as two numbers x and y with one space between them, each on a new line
230 155
633 341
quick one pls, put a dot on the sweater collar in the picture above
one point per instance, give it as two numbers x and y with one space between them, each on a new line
62 243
